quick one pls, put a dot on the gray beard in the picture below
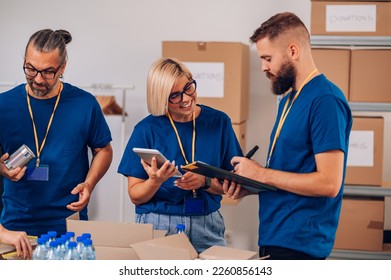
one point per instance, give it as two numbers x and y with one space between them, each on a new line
41 93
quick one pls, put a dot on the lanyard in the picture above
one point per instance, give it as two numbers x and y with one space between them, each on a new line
284 114
181 146
179 138
39 149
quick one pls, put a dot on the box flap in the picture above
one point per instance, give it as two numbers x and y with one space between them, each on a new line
227 253
75 216
172 247
115 253
111 234
157 233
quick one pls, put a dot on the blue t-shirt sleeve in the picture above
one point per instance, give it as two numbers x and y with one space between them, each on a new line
99 134
328 124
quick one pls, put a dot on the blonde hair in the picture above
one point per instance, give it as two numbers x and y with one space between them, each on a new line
162 76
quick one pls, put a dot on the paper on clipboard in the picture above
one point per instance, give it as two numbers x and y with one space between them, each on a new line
205 169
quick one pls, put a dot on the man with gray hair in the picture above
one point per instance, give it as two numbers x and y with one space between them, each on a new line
59 123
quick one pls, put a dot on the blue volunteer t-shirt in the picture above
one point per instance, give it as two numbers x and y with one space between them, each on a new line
319 120
216 144
39 206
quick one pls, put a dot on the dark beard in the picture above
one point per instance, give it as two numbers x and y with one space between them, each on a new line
284 79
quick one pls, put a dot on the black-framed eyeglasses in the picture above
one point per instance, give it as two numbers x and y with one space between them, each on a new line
189 90
47 73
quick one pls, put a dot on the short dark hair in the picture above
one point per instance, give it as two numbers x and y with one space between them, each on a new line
277 25
47 40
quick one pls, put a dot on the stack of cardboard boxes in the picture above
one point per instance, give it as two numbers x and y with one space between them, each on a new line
363 74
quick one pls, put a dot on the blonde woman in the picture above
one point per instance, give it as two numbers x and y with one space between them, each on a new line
183 131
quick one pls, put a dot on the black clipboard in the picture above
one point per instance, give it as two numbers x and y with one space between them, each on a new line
207 170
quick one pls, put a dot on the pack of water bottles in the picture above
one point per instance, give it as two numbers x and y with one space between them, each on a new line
65 247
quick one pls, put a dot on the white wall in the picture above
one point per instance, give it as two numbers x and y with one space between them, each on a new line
116 42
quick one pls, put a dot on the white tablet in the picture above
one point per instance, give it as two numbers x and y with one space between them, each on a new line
147 154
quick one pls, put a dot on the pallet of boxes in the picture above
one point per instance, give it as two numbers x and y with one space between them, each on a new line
363 73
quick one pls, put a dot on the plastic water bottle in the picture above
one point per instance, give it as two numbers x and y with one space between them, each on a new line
45 237
88 252
71 253
71 235
53 253
180 228
52 235
61 248
80 244
40 251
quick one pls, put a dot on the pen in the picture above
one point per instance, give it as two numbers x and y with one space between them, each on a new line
252 152
249 154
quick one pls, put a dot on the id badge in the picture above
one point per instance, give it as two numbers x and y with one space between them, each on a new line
194 205
37 173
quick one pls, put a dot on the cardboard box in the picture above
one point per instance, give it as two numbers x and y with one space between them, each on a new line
178 247
370 75
338 71
365 155
240 132
351 18
226 253
112 240
221 70
360 225
172 247
131 241
387 208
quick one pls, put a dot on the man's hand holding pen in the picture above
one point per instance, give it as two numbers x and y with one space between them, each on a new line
233 190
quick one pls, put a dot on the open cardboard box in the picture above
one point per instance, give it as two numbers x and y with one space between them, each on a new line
131 241
113 240
178 247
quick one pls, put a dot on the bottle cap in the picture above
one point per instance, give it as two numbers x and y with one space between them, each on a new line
180 227
87 242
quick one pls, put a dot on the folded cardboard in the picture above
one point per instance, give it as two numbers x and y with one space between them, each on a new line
222 73
8 251
178 247
338 71
360 225
172 247
354 18
370 74
226 253
112 240
365 155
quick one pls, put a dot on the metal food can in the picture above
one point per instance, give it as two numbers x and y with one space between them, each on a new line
20 158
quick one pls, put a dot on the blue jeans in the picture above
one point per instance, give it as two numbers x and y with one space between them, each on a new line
203 231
